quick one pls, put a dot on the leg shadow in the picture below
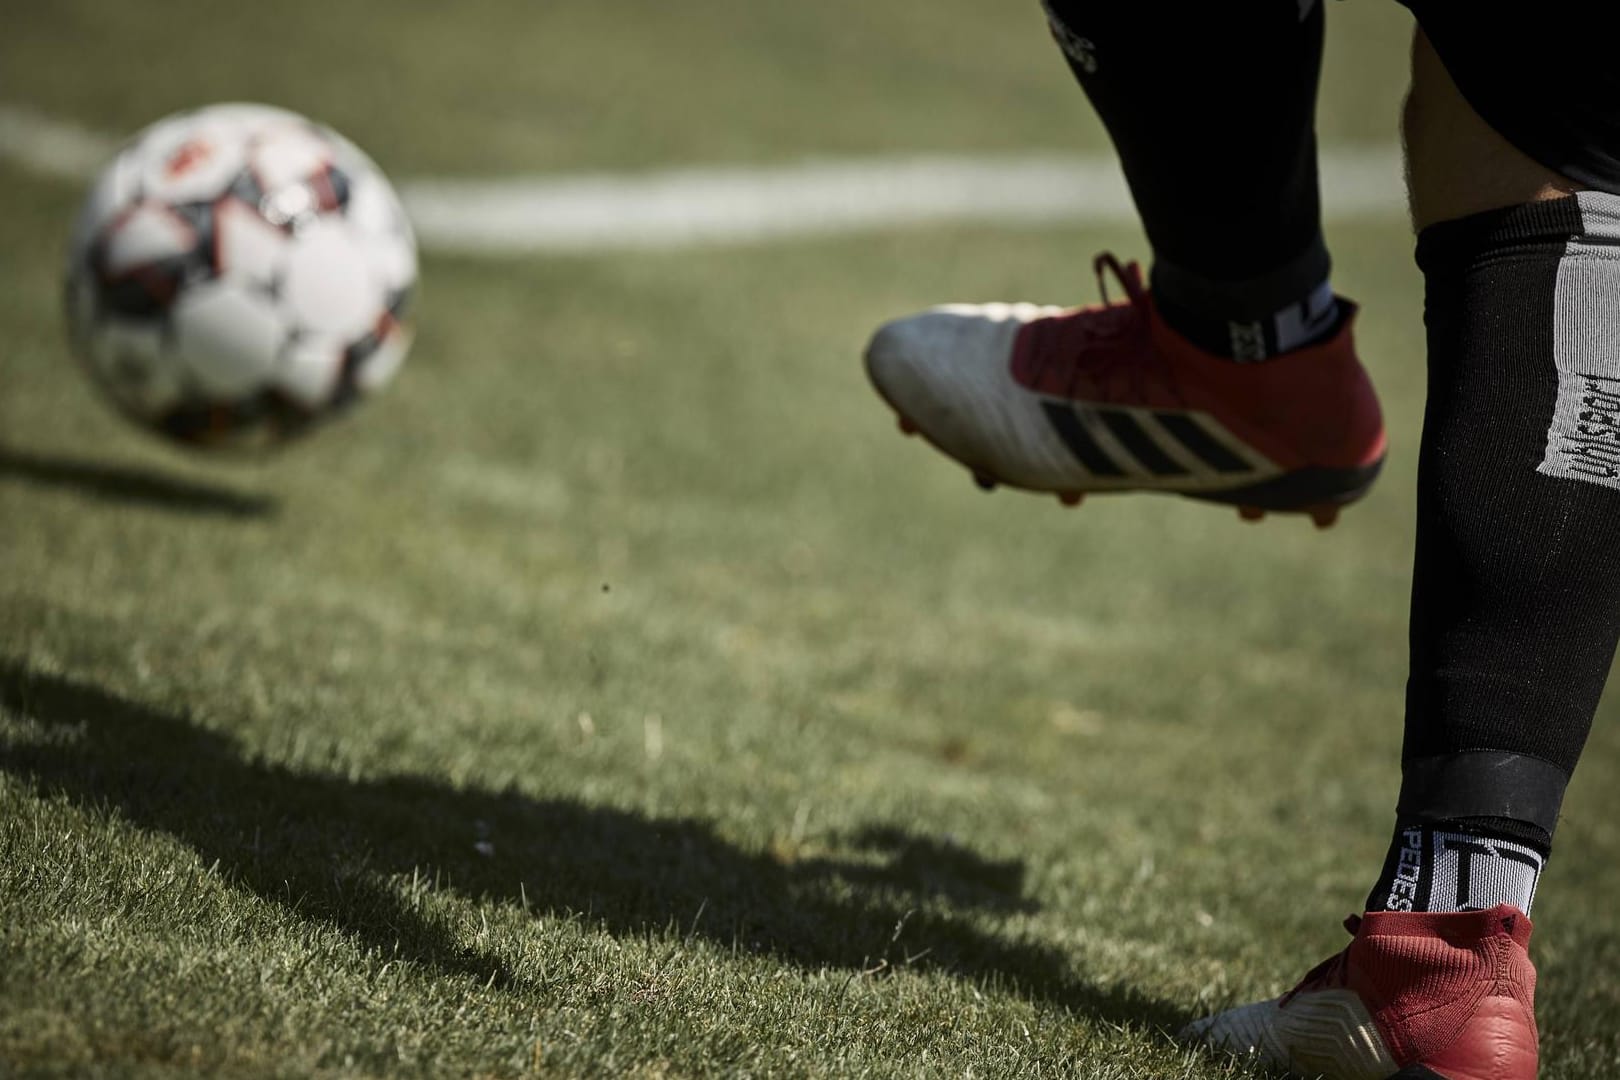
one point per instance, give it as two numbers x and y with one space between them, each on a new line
130 484
323 846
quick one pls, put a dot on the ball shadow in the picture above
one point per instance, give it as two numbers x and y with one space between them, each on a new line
335 850
133 484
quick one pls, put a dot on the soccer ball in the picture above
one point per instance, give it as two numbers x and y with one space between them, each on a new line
239 274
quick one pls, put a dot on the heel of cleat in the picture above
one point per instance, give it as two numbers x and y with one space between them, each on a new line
1251 513
907 427
1071 498
985 481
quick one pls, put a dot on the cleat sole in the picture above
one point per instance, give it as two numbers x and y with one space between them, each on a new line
1303 491
1317 491
1324 516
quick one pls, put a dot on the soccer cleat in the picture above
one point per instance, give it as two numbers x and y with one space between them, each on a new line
1415 996
1109 398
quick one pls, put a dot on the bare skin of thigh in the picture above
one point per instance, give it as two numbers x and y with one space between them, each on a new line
1456 164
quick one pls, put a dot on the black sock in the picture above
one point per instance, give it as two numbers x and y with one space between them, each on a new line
1515 590
1464 865
1214 124
1225 326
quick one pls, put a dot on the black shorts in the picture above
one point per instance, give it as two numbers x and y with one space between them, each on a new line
1545 75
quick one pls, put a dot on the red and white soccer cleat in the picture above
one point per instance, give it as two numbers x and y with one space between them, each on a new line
1109 398
1416 996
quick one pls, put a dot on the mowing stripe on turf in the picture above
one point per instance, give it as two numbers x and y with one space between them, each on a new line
703 206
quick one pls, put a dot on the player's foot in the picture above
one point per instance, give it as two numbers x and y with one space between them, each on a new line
1416 996
1109 398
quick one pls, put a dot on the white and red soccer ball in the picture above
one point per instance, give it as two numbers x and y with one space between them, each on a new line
239 274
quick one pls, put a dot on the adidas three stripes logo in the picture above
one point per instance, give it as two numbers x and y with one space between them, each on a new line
1125 442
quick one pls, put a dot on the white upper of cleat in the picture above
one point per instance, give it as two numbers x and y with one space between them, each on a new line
948 371
1322 1033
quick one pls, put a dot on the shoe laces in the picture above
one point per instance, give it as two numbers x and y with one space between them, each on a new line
1330 973
1107 344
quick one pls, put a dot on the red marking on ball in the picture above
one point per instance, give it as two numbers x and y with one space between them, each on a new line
191 153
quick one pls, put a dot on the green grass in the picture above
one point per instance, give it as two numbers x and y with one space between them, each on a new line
618 694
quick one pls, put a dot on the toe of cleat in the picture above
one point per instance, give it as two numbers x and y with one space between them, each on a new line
907 427
1071 498
1251 513
985 481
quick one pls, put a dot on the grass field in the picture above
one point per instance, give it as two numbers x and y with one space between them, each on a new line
619 695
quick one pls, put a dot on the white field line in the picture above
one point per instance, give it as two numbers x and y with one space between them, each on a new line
691 207
51 147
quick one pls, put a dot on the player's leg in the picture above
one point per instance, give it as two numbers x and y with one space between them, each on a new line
1514 616
1211 109
1457 164
1516 598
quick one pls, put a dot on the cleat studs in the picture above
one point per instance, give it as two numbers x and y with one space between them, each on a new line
1251 513
907 427
1324 516
985 481
1071 498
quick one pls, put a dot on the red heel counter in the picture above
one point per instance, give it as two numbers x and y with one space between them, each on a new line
1324 399
1361 439
1456 991
1499 1042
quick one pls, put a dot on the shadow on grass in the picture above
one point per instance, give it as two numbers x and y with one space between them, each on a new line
321 844
130 484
